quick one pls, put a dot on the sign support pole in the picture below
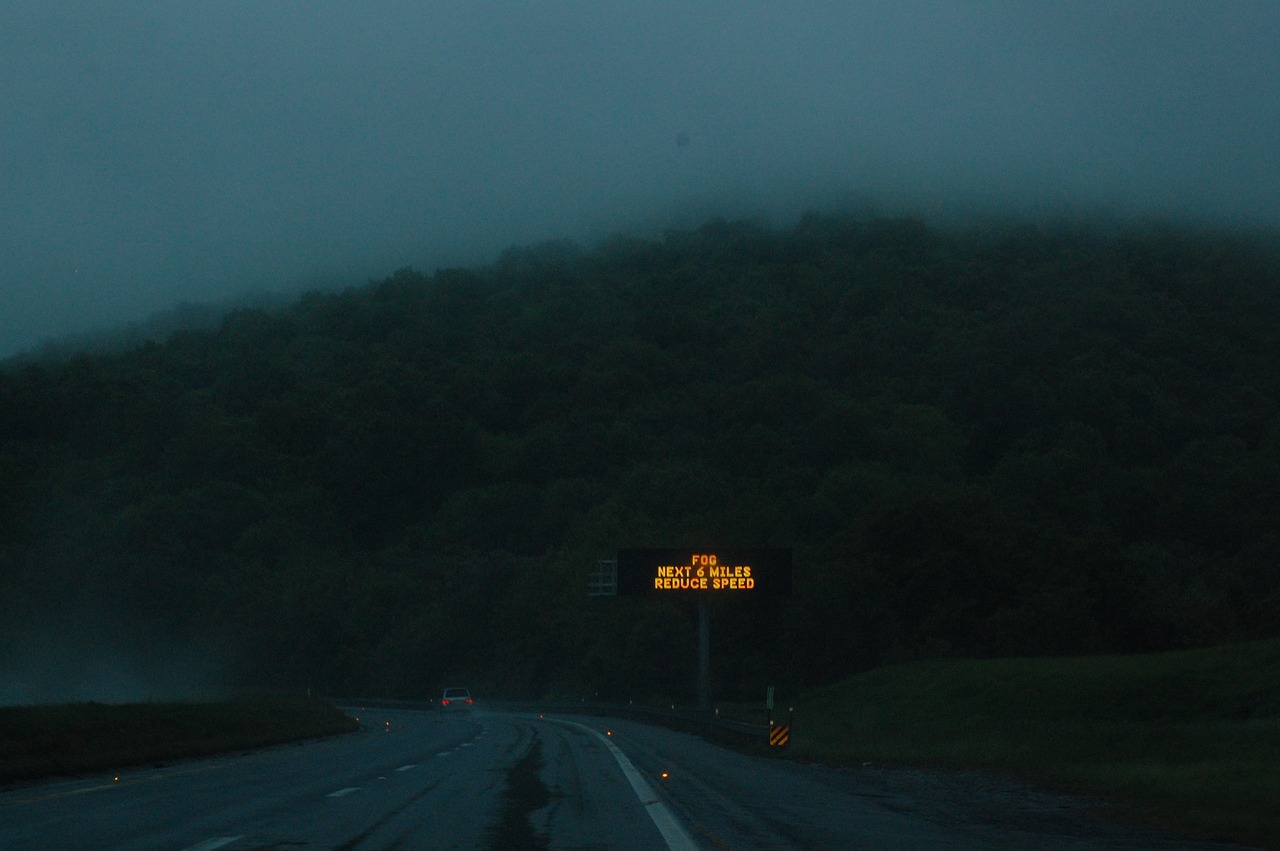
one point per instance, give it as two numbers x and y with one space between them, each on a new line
704 653
702 573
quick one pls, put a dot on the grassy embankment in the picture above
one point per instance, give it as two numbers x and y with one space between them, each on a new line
45 741
1190 740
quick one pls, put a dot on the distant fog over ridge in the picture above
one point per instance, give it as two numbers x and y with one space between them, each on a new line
155 153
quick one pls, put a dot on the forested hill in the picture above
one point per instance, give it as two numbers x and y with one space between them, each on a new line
1012 440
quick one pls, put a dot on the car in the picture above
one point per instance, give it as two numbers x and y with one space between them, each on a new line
455 700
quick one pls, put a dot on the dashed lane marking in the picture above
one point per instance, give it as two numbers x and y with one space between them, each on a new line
407 767
210 844
341 792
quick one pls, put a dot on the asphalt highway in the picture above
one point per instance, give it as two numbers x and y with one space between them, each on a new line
417 779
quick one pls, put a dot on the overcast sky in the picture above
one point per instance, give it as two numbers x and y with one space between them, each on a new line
159 152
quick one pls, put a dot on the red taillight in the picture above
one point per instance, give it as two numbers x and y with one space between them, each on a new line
444 703
468 700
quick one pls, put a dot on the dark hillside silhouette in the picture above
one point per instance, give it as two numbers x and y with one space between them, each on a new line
1004 440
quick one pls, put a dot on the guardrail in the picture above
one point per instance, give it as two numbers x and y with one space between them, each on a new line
698 721
707 723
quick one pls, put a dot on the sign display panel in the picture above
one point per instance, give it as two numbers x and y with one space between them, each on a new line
712 571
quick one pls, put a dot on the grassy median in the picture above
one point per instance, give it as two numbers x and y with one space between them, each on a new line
1189 740
45 741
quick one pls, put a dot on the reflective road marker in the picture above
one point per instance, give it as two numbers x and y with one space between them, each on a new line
676 837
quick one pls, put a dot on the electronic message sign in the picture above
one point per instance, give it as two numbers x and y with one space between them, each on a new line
718 572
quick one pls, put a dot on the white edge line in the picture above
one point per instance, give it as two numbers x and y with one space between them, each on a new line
677 837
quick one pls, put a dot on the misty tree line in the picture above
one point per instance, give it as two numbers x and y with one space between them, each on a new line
1005 440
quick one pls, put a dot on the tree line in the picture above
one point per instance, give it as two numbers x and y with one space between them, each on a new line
984 440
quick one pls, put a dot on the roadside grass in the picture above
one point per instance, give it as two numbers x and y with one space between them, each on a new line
1188 740
50 741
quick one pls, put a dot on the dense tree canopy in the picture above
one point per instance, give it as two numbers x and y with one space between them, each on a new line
1002 440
